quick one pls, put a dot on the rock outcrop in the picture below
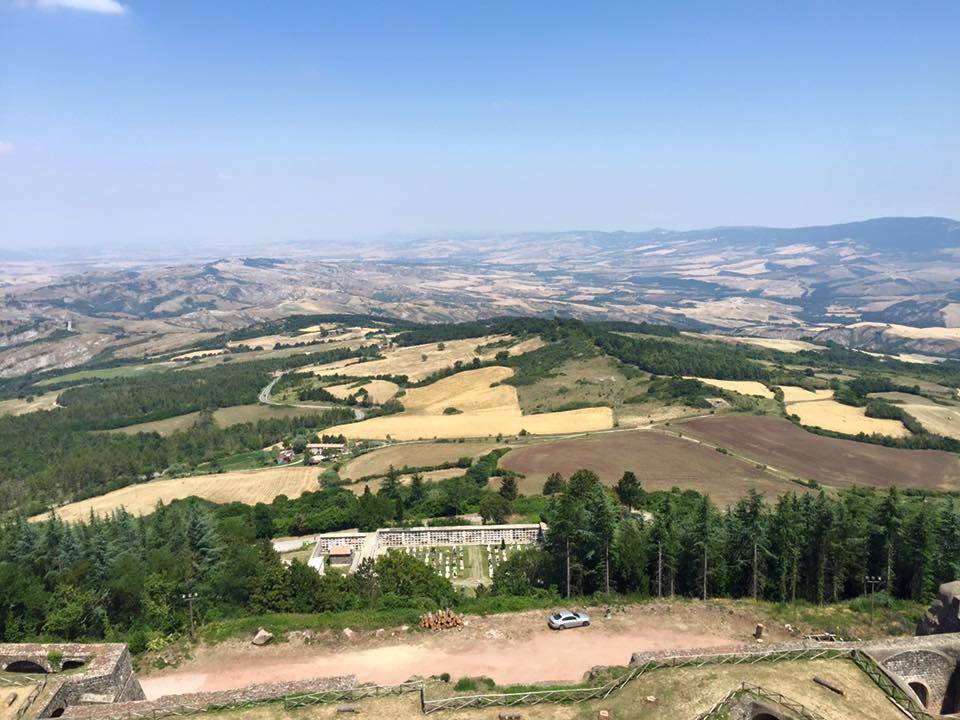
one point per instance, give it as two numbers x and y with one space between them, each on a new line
943 616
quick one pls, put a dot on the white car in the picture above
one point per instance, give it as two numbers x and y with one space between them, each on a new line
568 619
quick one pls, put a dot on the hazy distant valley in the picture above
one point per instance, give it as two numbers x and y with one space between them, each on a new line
844 283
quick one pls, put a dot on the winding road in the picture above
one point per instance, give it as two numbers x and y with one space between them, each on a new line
266 392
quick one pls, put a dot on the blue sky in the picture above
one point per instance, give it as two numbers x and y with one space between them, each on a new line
192 121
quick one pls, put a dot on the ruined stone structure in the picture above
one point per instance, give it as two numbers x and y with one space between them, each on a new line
944 614
371 545
73 675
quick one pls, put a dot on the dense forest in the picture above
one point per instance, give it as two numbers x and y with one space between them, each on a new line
124 577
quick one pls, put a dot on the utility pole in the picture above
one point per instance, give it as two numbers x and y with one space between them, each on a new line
189 598
872 582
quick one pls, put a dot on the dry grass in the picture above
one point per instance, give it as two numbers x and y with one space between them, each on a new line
196 354
379 391
781 344
837 417
378 462
468 391
793 394
937 419
420 361
484 411
744 387
47 401
677 693
224 417
927 333
248 487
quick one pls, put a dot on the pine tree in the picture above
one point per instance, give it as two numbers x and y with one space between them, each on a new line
391 484
629 490
417 489
603 520
554 484
508 488
202 545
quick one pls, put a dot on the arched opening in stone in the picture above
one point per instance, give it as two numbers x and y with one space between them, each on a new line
765 716
25 666
58 712
72 664
921 691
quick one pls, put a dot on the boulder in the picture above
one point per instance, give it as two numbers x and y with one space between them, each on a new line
262 637
943 616
348 633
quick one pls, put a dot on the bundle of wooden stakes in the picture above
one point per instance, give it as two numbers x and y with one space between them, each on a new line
441 620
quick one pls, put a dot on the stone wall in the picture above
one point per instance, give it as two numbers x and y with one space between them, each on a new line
196 702
106 675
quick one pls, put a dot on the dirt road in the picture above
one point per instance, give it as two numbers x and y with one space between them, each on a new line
510 649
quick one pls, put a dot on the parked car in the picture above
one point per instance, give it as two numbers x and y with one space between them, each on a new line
568 619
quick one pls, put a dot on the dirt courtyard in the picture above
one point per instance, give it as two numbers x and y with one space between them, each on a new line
501 647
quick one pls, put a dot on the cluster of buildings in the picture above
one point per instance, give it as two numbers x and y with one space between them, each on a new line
314 454
347 549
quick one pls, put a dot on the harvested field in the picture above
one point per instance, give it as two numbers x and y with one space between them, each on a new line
223 416
420 361
248 487
468 391
46 401
937 419
838 463
792 394
379 391
482 424
378 462
744 387
481 411
835 416
781 344
660 461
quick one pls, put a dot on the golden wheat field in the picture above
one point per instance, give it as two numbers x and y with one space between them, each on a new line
378 462
938 419
793 393
248 487
468 391
420 361
480 424
47 401
379 391
831 415
481 411
744 387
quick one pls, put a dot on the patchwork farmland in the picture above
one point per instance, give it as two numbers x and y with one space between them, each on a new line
829 461
661 461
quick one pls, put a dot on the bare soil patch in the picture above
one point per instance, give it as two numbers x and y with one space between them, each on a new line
660 461
839 463
46 401
498 646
